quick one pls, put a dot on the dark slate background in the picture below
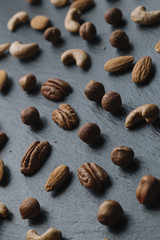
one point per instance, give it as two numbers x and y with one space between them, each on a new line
73 210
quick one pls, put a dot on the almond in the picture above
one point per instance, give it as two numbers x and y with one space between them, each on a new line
82 5
118 64
57 178
141 69
157 47
1 169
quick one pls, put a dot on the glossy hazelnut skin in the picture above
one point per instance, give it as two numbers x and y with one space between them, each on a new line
109 212
111 101
122 156
28 82
52 35
30 116
89 133
119 39
87 31
148 190
3 139
29 208
113 16
94 91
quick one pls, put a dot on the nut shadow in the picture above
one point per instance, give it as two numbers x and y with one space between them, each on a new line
121 24
41 125
97 40
64 187
105 188
38 3
99 143
58 44
125 51
35 91
40 219
156 125
134 167
120 113
6 178
4 145
141 124
155 206
149 78
126 71
7 87
31 59
121 226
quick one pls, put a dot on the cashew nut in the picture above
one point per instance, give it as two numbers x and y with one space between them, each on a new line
18 18
141 16
71 21
147 112
23 51
3 210
82 5
3 47
50 234
59 3
78 55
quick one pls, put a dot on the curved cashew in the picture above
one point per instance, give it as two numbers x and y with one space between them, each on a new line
78 55
23 51
18 18
141 16
71 21
147 112
3 210
50 234
3 47
59 3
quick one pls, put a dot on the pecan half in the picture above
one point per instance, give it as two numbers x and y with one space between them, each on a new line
91 175
55 89
34 157
65 116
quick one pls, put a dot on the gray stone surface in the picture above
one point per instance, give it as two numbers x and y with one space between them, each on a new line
73 210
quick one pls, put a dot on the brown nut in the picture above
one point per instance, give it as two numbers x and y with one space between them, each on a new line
148 190
57 178
78 55
157 47
89 133
28 82
17 19
55 89
52 35
29 208
141 16
147 112
3 79
111 101
118 64
30 116
82 5
3 47
113 16
119 39
1 169
3 139
72 19
50 234
94 91
88 31
65 116
122 156
3 210
91 175
40 22
141 69
59 3
109 212
34 157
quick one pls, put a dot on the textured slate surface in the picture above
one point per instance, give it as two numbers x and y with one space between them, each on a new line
73 210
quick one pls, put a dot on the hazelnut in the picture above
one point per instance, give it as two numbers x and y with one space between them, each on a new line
3 139
119 39
89 133
29 208
52 34
148 189
94 91
109 212
30 116
113 16
87 31
28 82
122 156
111 101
